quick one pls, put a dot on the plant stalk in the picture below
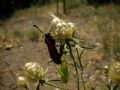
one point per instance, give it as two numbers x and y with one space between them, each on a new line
38 86
81 66
72 56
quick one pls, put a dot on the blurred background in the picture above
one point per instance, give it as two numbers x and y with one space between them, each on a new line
98 23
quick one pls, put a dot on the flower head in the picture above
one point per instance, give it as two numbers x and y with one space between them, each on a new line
61 29
34 71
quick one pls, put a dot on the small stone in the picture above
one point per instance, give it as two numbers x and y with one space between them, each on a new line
8 47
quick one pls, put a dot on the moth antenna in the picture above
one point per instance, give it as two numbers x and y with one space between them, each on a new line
38 29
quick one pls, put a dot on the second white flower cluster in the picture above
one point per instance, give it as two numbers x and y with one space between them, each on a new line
33 72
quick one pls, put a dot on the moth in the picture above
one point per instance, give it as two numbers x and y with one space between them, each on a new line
51 44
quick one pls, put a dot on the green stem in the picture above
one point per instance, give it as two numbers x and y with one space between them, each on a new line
54 85
72 56
26 87
79 58
38 86
81 66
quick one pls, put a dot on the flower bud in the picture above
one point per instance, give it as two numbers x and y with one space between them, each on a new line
22 81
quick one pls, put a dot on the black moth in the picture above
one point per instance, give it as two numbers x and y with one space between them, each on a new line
50 41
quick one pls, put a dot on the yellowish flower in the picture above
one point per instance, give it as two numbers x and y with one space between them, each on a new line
34 71
61 29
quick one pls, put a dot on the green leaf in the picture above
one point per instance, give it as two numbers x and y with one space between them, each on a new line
77 46
63 70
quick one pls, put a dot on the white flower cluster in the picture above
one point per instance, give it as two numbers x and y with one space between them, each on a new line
34 71
61 29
